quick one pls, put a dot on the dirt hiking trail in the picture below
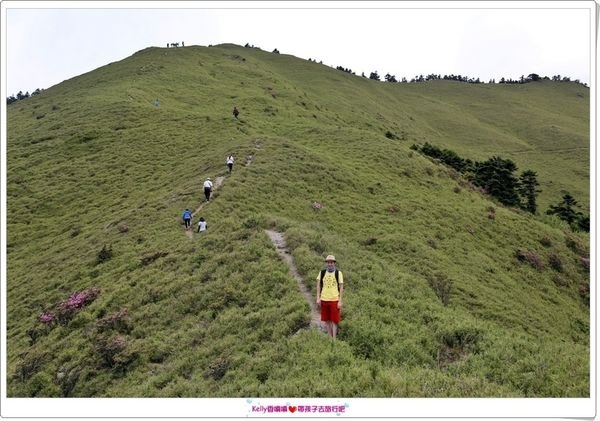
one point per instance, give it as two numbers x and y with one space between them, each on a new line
218 182
282 250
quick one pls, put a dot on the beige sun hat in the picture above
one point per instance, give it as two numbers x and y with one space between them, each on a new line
330 258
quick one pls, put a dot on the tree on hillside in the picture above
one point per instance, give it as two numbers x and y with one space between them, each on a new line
564 210
21 95
528 190
343 69
374 75
496 176
390 78
276 51
448 157
533 77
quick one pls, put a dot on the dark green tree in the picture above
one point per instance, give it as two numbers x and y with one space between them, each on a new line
583 223
564 210
528 190
374 75
496 176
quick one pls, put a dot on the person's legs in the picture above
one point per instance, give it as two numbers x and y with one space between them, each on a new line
330 314
335 319
325 316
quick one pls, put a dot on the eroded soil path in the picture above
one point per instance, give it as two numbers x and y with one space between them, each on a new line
218 182
283 251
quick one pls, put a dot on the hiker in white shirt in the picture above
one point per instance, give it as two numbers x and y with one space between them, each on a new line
202 225
230 162
208 185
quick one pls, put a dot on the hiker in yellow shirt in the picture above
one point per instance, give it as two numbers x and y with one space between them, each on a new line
330 288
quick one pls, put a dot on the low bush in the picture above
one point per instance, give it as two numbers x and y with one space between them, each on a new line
530 257
217 368
109 347
555 262
115 321
104 254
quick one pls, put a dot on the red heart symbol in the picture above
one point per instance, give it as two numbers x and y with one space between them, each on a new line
292 409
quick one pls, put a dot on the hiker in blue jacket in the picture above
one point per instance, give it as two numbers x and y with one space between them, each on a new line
187 218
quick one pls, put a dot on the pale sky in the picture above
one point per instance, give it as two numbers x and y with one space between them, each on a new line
45 43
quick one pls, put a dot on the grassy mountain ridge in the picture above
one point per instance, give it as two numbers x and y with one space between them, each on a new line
438 303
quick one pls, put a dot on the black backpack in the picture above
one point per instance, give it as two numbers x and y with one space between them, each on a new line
337 279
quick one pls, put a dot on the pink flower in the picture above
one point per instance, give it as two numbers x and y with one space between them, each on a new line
46 317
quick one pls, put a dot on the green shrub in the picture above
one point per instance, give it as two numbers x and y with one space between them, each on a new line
530 257
104 254
555 262
218 368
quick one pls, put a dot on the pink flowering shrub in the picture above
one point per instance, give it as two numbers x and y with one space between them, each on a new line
65 310
47 317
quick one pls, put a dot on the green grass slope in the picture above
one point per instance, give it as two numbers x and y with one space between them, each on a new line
441 299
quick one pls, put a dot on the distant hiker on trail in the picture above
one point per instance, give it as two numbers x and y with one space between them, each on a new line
202 225
208 185
230 162
235 112
187 218
330 288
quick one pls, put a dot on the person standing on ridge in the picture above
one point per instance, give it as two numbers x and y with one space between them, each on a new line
330 289
208 185
202 225
187 218
230 162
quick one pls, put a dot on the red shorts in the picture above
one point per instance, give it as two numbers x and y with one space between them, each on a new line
330 312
